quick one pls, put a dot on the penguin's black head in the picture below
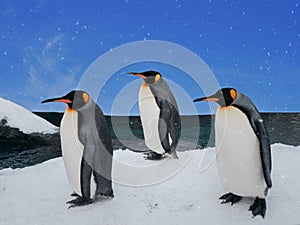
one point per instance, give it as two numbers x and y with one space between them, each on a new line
224 97
150 76
74 99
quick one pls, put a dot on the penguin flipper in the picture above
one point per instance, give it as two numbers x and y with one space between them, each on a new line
163 125
265 151
103 157
85 178
175 129
169 125
85 174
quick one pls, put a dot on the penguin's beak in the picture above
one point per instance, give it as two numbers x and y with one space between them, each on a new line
210 98
60 99
137 74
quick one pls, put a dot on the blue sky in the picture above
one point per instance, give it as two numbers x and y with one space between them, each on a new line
47 45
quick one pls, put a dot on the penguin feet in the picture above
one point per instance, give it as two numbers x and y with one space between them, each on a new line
107 193
258 207
153 156
229 197
74 194
174 154
79 201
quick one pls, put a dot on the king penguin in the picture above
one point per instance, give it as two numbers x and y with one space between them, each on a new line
159 115
86 148
242 148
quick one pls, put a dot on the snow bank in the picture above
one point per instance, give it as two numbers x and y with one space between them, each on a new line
37 195
27 122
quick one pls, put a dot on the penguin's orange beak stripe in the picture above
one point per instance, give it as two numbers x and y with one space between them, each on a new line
63 100
214 99
140 75
211 99
137 74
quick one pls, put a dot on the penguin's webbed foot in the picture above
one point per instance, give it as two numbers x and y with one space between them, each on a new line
79 201
107 193
258 207
153 156
174 154
74 194
230 197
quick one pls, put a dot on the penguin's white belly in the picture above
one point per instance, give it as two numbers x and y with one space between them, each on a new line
149 113
238 153
72 150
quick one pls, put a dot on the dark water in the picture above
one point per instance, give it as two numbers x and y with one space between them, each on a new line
18 150
282 127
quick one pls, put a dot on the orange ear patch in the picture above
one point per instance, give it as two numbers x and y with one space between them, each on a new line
157 77
233 93
85 97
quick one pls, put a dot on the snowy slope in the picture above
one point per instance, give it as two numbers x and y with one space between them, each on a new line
19 117
37 195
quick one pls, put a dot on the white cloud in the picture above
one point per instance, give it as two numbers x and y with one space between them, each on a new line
40 4
47 74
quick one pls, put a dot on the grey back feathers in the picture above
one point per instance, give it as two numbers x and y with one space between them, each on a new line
161 90
243 103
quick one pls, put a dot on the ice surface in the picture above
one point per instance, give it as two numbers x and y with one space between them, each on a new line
37 195
19 117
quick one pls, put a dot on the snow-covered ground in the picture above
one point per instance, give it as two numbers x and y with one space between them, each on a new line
19 117
37 195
